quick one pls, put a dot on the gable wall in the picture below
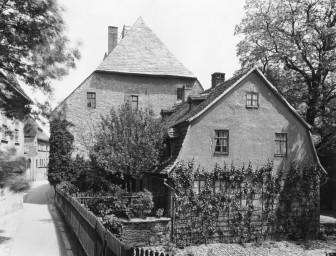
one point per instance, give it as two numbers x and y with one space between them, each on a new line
251 131
113 90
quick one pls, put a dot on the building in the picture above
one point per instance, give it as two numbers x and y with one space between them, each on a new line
139 70
11 129
242 120
36 151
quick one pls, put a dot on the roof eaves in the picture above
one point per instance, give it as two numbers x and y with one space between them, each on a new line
144 74
315 153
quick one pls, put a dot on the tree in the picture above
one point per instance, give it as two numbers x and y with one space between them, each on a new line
60 162
295 44
33 45
129 142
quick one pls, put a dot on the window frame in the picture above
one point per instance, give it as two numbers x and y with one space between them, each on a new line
198 189
135 101
91 100
222 186
249 102
221 138
280 141
180 93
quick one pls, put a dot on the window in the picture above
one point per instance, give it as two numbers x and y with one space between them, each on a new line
4 129
180 94
198 186
220 185
16 132
222 141
134 99
252 100
91 100
36 163
281 144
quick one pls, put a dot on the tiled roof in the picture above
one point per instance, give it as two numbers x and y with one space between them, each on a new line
183 113
142 52
11 80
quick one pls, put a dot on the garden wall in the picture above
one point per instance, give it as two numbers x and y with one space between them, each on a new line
149 231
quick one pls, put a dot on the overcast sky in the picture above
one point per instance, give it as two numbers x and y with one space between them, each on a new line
198 32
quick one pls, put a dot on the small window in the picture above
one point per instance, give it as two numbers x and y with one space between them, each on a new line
198 186
91 100
220 186
252 100
36 163
134 99
222 141
281 144
180 94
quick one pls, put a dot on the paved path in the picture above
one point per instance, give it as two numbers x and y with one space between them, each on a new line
37 229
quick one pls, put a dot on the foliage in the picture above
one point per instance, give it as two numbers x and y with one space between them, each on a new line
68 187
128 142
18 184
33 45
121 204
61 141
159 212
245 206
295 43
10 168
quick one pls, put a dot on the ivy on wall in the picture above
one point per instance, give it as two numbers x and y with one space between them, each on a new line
242 204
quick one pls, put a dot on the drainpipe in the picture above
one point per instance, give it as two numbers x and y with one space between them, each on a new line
173 206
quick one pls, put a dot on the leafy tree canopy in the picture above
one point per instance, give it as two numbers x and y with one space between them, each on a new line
129 142
33 45
294 41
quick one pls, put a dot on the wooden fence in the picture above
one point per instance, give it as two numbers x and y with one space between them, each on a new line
93 237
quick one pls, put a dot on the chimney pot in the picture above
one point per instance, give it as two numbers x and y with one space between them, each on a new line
217 78
112 38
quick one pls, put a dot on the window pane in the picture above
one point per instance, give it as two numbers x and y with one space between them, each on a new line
196 187
202 185
283 147
217 186
277 148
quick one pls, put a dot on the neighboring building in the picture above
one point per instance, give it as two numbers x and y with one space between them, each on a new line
241 120
139 70
36 151
11 130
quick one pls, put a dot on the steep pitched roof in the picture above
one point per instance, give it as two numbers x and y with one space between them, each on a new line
218 92
142 52
10 79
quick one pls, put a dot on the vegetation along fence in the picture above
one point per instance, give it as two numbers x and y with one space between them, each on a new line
93 237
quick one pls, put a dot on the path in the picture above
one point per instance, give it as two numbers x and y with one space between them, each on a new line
40 229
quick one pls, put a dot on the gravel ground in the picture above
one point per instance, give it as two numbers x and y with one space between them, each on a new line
269 248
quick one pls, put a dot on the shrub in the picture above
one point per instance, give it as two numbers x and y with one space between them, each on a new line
19 184
68 187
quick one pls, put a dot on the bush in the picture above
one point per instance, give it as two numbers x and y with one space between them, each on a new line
19 184
67 187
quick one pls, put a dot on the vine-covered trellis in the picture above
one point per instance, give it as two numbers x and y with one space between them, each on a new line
243 204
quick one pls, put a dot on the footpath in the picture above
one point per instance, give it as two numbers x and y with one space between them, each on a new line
37 229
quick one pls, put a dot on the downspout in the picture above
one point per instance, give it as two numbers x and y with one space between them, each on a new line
173 206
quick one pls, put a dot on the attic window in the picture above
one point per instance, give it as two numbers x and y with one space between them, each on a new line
252 100
180 93
91 100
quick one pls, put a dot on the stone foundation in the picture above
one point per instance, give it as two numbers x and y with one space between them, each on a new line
150 231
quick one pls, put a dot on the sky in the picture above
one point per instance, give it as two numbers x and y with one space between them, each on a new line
200 33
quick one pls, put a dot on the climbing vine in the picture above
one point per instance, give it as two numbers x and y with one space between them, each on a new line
231 204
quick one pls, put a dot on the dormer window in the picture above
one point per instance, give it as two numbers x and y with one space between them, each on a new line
252 100
180 93
91 100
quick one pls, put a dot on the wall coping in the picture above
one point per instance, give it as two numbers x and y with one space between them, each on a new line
147 220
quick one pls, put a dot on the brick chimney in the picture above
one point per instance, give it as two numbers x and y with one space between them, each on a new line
217 78
112 38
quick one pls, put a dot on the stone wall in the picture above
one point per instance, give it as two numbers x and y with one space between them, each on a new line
112 90
149 231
